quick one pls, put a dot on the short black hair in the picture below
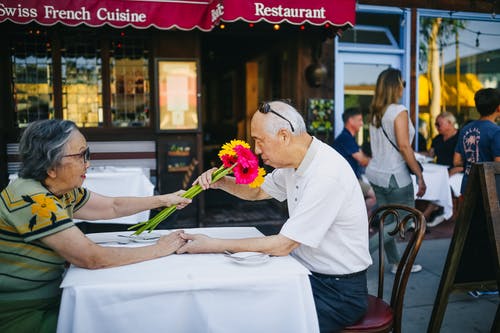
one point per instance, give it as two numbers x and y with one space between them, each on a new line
350 112
487 100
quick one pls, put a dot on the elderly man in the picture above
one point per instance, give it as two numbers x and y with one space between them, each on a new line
443 149
327 230
443 145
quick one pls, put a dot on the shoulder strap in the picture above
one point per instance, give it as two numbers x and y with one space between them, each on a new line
392 143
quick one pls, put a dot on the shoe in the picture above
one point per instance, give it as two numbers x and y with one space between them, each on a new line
414 268
437 220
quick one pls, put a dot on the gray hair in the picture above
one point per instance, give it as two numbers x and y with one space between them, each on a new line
42 146
448 116
275 123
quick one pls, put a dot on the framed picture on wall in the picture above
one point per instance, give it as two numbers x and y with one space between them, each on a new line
177 91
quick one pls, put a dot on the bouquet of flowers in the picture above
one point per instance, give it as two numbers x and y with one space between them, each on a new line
237 158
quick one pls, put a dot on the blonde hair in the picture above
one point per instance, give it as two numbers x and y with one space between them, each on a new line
387 91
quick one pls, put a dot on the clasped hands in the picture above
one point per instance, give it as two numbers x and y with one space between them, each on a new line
180 242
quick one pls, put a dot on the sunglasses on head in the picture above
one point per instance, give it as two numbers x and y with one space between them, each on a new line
266 108
85 155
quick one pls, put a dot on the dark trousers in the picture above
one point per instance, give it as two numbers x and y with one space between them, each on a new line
340 301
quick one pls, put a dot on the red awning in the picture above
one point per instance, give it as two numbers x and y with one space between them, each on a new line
180 14
316 12
162 14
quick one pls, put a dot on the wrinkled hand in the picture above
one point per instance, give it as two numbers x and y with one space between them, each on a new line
176 199
196 244
171 242
421 187
205 179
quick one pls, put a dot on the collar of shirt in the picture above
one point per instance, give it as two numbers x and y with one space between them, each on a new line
308 158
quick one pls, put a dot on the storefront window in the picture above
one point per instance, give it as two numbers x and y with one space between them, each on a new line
60 75
129 83
457 57
81 81
32 77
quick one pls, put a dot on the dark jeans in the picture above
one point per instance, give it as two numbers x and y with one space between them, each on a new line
340 301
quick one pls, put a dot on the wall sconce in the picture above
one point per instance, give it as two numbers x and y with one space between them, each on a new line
316 72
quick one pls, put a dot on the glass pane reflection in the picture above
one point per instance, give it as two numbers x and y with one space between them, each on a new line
32 76
457 58
82 81
129 82
359 87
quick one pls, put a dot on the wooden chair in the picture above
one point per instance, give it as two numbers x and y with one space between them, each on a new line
382 316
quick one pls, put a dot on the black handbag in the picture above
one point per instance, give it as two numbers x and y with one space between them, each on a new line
396 147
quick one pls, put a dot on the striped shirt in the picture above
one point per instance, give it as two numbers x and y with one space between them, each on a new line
29 212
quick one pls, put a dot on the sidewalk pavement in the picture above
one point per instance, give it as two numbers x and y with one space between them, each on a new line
464 313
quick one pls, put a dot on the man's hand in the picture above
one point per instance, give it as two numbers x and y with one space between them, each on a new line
205 180
197 244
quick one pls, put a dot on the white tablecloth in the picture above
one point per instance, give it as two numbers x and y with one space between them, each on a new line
191 293
456 183
438 187
111 181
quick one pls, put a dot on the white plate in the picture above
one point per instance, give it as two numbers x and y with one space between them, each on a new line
145 237
249 258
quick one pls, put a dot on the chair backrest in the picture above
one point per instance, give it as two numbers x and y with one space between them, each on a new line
404 216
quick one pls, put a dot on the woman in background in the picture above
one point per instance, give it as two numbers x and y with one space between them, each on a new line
388 170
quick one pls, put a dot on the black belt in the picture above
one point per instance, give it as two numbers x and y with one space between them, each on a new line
341 276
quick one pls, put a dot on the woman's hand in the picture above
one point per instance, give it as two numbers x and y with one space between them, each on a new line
174 199
205 180
421 187
171 242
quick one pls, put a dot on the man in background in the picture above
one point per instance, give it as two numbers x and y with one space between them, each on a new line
479 141
442 149
345 143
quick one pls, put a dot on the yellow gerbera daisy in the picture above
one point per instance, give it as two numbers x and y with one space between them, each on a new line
228 148
43 206
259 179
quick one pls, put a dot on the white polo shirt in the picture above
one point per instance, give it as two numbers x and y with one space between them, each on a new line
327 211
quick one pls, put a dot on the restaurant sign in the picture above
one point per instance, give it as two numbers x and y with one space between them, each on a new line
316 12
163 14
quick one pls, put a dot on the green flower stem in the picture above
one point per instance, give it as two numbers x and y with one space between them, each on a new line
193 191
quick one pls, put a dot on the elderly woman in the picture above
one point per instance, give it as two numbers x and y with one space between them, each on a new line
37 232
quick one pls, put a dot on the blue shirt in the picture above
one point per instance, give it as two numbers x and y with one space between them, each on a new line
479 141
346 145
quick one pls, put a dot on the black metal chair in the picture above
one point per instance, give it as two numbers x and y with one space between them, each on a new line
385 316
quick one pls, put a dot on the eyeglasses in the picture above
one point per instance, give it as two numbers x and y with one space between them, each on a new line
266 108
404 83
85 155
